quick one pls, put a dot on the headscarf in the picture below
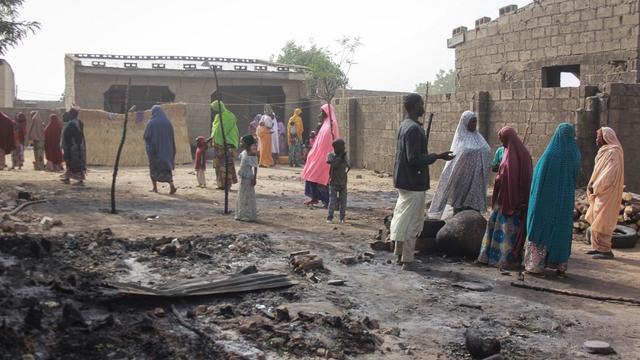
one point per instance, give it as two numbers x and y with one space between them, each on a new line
52 134
36 133
550 214
230 126
7 137
159 139
514 175
463 183
316 168
21 128
268 110
248 140
607 182
296 121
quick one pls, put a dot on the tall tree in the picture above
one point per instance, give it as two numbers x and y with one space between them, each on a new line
13 30
445 83
329 71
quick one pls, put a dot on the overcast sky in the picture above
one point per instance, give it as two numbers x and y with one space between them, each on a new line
404 42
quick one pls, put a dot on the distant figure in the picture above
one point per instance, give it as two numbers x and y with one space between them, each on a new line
295 128
75 150
464 180
161 149
312 139
264 138
53 153
506 230
253 125
36 136
201 161
497 159
246 202
7 138
551 204
275 139
233 140
411 178
20 131
604 192
316 170
338 174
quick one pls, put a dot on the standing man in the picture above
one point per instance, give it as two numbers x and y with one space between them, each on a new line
604 192
411 178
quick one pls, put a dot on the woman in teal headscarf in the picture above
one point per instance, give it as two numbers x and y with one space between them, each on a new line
232 138
550 215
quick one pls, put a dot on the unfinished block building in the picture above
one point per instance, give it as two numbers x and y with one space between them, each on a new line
512 70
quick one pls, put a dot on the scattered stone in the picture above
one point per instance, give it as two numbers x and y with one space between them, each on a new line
394 331
371 324
252 269
8 226
358 177
167 250
159 312
25 195
50 304
471 306
298 253
336 282
201 310
462 234
71 316
598 347
92 246
480 346
282 314
277 342
305 263
46 223
349 260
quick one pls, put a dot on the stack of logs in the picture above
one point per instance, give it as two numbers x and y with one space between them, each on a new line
629 211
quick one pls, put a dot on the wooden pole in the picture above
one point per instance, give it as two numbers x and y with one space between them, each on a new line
576 294
224 143
426 99
119 153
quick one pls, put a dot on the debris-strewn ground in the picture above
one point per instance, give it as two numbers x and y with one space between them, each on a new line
55 302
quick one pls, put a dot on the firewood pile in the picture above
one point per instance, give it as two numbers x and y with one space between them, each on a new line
629 211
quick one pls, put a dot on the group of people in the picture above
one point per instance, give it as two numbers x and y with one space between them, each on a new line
531 215
57 141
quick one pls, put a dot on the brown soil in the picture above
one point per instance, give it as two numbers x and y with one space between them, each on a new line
421 314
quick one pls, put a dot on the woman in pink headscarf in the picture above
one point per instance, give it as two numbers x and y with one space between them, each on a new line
316 170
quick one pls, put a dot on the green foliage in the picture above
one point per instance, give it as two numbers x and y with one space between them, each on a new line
445 83
327 74
12 30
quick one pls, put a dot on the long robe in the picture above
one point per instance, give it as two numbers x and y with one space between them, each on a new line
550 213
316 169
275 136
607 183
232 137
52 134
264 141
75 152
36 135
7 138
464 180
160 146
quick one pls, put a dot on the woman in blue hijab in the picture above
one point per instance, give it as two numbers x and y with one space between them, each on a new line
161 148
550 215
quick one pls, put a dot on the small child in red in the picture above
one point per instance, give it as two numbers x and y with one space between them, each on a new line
201 161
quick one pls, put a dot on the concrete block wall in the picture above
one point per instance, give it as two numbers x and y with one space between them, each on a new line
509 53
623 115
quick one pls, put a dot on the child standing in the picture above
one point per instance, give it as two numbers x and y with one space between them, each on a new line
338 180
248 173
201 161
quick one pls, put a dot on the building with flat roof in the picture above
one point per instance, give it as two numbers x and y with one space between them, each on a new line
99 81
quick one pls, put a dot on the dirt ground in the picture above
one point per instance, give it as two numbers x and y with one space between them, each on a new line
421 314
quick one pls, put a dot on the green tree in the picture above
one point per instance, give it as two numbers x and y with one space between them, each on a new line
12 30
329 71
445 83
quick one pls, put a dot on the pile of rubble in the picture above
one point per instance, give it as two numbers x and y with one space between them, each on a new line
56 302
15 199
629 215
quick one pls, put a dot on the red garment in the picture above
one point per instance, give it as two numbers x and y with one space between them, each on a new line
52 135
513 183
7 137
21 129
201 153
